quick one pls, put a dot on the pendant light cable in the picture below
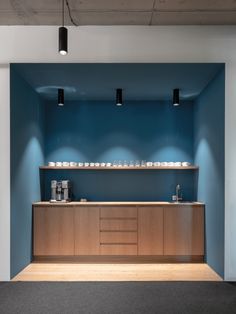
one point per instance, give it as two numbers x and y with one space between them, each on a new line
63 13
70 15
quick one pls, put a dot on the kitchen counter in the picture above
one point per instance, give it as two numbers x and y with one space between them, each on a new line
117 203
159 231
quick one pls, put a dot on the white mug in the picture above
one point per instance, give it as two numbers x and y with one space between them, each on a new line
73 164
186 164
51 164
86 164
177 164
164 163
65 164
80 164
58 163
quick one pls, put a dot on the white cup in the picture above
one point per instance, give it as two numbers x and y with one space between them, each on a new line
51 164
80 164
103 164
73 164
65 164
86 164
92 164
164 163
97 164
149 163
186 164
170 163
108 164
59 164
177 164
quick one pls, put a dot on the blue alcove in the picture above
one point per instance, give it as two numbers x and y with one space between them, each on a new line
90 127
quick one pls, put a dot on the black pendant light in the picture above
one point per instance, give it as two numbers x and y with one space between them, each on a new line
176 97
119 101
60 97
63 35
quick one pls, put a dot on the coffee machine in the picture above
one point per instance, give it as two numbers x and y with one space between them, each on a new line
60 191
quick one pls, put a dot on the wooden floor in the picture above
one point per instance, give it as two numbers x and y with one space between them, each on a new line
117 272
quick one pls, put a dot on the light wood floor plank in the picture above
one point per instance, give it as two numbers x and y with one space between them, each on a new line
117 272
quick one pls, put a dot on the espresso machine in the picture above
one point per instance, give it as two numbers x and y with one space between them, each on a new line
60 191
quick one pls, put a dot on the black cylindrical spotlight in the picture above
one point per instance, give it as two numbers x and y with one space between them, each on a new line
176 97
60 97
119 101
63 40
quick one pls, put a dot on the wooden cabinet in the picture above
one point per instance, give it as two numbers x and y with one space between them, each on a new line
86 230
150 230
184 230
53 230
120 230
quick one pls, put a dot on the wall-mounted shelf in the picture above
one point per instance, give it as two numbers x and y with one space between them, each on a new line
120 168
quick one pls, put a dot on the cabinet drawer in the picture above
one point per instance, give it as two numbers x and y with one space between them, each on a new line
118 237
118 225
118 249
118 212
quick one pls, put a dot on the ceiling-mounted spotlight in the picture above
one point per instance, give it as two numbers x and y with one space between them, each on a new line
63 35
176 97
60 97
119 100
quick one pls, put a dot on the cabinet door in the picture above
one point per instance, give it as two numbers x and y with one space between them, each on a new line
184 230
53 231
150 230
86 230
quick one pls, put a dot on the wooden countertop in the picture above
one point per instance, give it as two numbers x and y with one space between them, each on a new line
117 203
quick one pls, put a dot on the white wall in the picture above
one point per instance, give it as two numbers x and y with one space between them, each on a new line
128 44
4 174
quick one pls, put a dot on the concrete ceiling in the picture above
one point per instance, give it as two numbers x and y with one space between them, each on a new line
139 81
120 12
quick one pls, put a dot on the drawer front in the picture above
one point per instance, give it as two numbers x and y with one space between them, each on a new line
118 212
118 249
118 237
118 225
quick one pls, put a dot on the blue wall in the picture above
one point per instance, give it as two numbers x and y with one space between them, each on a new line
26 156
209 155
101 131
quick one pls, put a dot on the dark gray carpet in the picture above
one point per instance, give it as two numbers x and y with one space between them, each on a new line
118 297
